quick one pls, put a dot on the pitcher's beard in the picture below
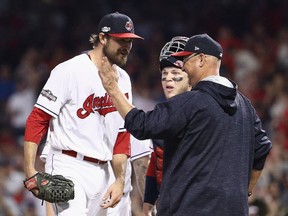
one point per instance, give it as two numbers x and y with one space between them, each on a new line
117 58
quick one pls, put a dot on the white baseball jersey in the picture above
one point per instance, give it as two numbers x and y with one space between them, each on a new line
85 119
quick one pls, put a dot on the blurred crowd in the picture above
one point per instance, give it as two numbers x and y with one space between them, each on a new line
37 35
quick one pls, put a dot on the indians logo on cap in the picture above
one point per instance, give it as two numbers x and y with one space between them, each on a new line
178 63
129 25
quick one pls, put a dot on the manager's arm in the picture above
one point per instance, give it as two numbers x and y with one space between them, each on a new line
255 175
109 78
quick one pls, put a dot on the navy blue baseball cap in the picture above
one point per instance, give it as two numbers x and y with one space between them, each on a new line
201 43
117 25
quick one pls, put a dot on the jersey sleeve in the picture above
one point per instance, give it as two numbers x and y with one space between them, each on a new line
36 125
55 92
262 145
139 148
122 144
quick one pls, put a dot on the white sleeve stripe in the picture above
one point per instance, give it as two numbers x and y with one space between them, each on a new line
134 157
46 110
122 129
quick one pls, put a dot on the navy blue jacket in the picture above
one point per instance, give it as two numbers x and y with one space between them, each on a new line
213 139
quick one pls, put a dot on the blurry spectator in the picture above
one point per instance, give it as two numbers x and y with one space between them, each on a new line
282 53
19 106
6 82
14 199
11 187
284 192
246 63
7 87
31 69
6 138
5 208
273 198
230 45
258 207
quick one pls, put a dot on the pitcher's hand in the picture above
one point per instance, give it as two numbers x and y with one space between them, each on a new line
113 195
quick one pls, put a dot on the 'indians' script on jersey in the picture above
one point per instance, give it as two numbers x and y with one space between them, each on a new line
102 105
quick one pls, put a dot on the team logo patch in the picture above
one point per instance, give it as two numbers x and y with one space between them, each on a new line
48 94
105 29
103 105
129 25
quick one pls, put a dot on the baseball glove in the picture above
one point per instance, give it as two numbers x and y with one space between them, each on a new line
52 188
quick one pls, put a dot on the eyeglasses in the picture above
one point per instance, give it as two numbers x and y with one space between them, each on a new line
187 59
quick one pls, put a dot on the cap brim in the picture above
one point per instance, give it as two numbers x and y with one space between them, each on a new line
166 63
182 53
126 35
170 62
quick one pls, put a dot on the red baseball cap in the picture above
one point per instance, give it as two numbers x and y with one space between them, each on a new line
117 25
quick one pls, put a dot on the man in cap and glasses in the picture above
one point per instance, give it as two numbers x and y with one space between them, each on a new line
215 147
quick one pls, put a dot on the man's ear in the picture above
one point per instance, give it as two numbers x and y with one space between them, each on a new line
102 38
202 60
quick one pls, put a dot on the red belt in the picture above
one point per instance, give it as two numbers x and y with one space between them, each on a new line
85 158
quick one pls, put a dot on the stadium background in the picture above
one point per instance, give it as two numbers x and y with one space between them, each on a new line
37 35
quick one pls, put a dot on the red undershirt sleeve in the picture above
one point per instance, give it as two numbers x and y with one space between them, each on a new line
36 125
151 192
122 145
151 170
